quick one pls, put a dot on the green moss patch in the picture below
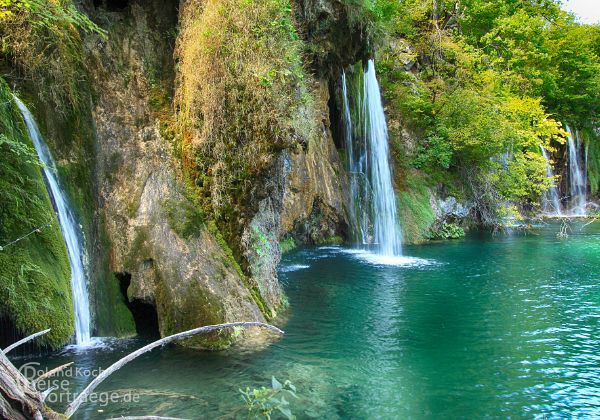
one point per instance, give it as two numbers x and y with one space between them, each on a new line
415 212
34 272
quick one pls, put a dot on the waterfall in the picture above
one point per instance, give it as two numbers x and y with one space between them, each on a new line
358 182
577 176
69 228
372 201
550 199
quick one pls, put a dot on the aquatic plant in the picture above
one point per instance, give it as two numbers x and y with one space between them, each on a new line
264 401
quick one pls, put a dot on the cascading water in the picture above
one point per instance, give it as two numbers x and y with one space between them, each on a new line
358 181
69 229
550 198
577 176
373 202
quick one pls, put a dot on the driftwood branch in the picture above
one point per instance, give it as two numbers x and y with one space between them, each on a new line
120 363
24 340
51 372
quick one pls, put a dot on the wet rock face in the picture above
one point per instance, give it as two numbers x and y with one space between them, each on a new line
177 262
260 238
449 209
316 187
182 271
335 40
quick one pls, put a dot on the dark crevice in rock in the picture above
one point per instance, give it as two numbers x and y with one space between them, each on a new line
144 313
336 39
323 226
112 5
335 117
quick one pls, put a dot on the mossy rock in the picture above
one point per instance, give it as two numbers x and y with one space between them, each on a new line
35 292
415 212
179 312
113 318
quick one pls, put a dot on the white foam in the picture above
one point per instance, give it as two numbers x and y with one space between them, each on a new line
294 267
100 343
389 260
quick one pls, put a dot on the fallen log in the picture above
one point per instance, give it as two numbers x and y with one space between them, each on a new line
163 341
19 400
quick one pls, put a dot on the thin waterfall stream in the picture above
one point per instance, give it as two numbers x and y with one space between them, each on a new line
372 198
577 175
550 198
69 228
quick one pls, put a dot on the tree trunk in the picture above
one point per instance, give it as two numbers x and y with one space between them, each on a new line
19 400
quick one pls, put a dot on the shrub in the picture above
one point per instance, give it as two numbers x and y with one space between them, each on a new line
446 231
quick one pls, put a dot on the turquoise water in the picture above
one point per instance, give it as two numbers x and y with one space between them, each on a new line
485 326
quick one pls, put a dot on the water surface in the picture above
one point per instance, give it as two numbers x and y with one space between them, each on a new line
485 326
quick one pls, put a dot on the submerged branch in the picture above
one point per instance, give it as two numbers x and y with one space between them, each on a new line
51 372
120 363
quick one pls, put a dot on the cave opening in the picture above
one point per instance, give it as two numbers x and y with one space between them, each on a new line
144 313
336 122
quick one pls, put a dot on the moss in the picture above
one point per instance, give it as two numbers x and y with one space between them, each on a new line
287 244
415 212
35 275
190 310
113 318
243 96
184 215
592 145
331 240
43 39
250 285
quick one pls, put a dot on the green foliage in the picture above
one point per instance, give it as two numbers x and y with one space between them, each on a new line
34 272
415 212
243 95
260 242
287 244
374 16
46 13
266 402
446 231
42 38
488 84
